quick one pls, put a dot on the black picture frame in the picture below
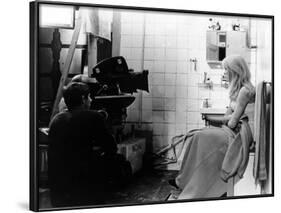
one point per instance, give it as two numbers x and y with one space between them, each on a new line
35 93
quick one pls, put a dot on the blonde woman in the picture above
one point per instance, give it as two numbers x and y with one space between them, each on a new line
208 160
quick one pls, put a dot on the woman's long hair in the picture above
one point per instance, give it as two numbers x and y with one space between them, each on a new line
239 75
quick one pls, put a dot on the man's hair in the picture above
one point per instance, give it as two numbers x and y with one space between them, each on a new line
73 94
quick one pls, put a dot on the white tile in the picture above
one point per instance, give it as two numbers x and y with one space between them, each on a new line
158 104
159 41
125 52
170 91
193 79
158 116
171 41
191 126
150 29
181 80
171 54
126 28
170 67
158 129
149 41
169 116
137 29
126 41
136 53
180 129
182 67
192 92
204 93
170 104
192 105
192 117
171 29
183 42
170 79
182 55
158 91
148 65
148 53
146 116
180 117
169 129
134 64
158 79
137 41
159 53
181 91
159 29
147 103
181 104
183 30
159 66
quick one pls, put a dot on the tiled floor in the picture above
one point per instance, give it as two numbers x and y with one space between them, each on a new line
146 186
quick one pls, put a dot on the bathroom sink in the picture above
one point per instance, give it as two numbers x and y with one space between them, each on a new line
212 110
212 116
113 101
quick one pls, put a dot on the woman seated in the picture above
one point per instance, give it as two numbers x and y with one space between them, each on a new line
201 174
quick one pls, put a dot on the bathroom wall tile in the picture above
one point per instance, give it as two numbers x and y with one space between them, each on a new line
136 53
137 29
149 41
171 29
182 67
169 117
158 116
170 79
170 91
192 105
170 67
181 117
126 28
181 104
134 64
192 79
125 52
146 103
159 66
137 41
158 143
148 65
169 129
146 116
183 30
147 127
148 53
126 41
191 127
159 53
192 92
170 41
181 79
182 41
170 104
132 115
150 29
180 128
158 91
158 128
204 93
159 41
182 54
159 29
171 54
158 104
193 117
126 17
181 91
158 79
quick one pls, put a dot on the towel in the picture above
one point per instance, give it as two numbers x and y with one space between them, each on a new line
97 22
260 173
237 154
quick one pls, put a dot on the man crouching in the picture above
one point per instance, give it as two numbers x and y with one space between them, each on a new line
83 159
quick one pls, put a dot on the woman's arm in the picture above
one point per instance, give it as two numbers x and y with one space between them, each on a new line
242 101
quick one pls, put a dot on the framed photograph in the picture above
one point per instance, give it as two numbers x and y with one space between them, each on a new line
133 106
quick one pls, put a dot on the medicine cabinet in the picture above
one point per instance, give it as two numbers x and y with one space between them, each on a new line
224 43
